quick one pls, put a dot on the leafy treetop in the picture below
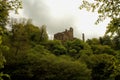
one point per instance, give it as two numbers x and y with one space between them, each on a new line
5 7
105 9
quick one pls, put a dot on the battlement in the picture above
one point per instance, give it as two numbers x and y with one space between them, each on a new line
64 36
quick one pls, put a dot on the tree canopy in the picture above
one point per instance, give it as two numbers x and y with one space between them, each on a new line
26 53
5 7
105 9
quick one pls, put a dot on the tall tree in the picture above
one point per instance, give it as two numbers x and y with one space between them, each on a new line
103 66
33 31
2 59
105 9
19 38
5 7
43 33
114 26
116 42
105 40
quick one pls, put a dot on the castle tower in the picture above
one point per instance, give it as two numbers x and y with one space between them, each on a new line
71 33
64 36
71 29
83 37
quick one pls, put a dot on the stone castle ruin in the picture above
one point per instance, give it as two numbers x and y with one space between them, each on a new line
64 36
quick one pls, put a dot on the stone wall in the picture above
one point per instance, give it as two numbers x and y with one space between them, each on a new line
64 36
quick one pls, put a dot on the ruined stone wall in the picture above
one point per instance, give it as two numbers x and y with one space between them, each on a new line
64 36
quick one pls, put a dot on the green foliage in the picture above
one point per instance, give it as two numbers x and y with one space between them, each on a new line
103 66
76 47
72 52
105 8
117 70
33 32
39 64
38 49
19 38
4 75
23 27
118 55
55 47
103 45
106 40
43 33
5 7
61 69
116 43
86 52
31 54
93 41
2 59
102 49
25 35
114 27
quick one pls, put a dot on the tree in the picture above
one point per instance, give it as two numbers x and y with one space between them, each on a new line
77 47
19 37
103 49
106 40
40 64
33 32
25 34
103 66
114 26
43 33
2 58
116 42
105 9
51 67
117 70
55 46
5 7
93 41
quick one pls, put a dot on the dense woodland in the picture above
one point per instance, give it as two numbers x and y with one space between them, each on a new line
26 53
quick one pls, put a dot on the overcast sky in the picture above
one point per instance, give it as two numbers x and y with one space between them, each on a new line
59 15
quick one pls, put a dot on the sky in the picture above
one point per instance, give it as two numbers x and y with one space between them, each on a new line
59 15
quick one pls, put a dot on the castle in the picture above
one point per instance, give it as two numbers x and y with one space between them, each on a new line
64 36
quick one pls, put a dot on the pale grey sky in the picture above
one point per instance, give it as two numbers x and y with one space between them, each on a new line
59 15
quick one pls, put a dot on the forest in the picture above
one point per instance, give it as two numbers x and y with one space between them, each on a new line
26 53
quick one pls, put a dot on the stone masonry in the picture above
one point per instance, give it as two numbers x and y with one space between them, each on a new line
64 36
